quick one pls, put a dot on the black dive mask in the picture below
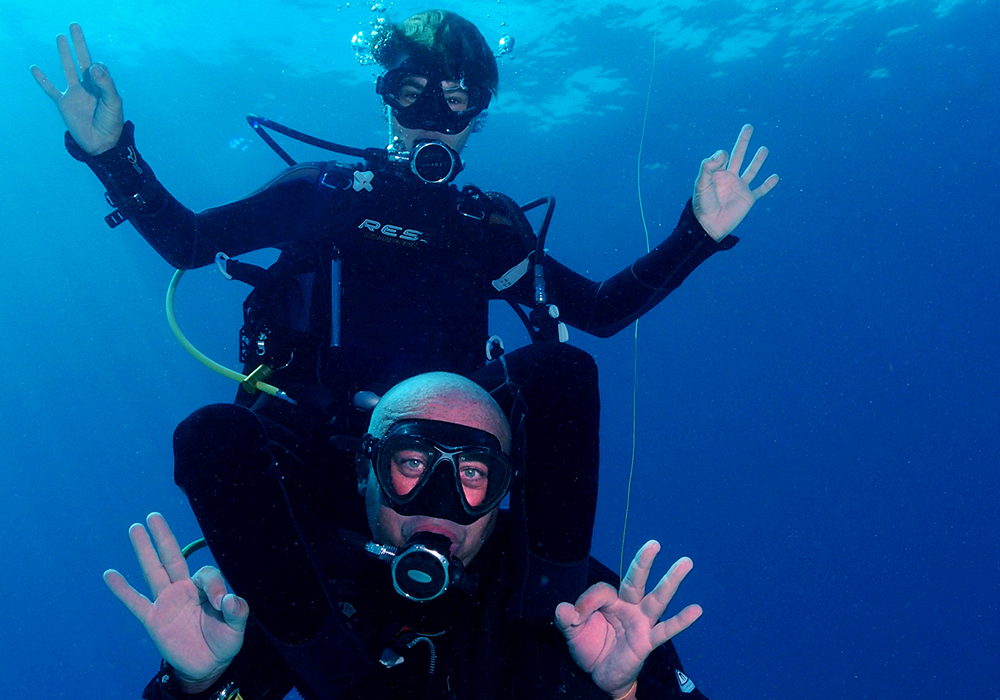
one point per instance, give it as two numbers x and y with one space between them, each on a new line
440 470
426 106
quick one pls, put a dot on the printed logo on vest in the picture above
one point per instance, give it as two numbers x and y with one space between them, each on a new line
363 180
686 684
409 237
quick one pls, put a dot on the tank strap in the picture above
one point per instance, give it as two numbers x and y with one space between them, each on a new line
254 275
542 322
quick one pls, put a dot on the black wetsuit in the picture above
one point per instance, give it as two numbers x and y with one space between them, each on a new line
485 644
382 277
416 264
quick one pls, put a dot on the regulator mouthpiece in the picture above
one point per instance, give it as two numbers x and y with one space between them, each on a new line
433 162
423 571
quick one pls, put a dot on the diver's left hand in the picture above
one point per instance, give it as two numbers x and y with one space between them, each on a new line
196 625
610 633
722 197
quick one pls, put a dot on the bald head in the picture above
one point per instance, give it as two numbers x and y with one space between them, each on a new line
444 397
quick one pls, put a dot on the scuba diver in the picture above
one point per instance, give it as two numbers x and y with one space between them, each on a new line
436 465
386 271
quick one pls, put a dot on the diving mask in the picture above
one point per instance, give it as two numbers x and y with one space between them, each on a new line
441 470
422 98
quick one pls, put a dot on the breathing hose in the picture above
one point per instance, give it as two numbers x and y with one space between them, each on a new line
252 382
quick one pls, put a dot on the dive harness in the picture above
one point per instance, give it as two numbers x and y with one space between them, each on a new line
432 162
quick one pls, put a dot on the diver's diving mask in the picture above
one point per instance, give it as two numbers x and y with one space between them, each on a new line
441 470
419 101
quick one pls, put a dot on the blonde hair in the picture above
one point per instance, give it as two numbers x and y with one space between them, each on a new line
442 39
422 27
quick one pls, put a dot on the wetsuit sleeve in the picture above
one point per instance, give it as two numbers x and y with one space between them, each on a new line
272 216
604 308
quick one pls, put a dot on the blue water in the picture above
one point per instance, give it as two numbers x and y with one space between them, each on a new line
817 413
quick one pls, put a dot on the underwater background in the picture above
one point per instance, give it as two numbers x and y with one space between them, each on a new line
817 417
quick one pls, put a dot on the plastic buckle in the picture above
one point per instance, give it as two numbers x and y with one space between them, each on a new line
261 374
465 206
494 348
220 262
114 218
118 215
546 320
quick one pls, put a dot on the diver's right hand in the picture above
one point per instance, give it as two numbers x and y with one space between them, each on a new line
195 624
91 106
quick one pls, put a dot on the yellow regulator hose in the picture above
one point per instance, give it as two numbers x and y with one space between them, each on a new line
253 382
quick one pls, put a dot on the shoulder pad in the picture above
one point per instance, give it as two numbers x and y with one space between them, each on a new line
306 172
507 212
302 171
313 172
338 175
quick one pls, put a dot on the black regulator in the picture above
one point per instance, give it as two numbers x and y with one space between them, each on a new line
432 162
422 570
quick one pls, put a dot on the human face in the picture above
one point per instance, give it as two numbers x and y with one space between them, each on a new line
409 466
457 100
413 86
390 527
439 468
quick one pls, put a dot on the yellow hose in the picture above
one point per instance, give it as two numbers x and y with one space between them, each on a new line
252 382
193 547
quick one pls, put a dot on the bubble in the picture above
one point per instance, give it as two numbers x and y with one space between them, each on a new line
505 45
367 44
362 50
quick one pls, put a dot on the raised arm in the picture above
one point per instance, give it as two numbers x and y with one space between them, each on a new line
611 633
92 110
90 106
196 625
722 198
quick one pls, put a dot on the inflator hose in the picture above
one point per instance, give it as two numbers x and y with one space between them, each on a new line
250 383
